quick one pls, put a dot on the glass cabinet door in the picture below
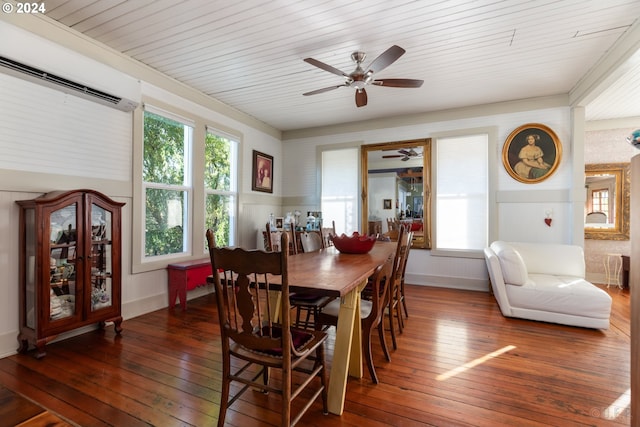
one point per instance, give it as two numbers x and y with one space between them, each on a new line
62 262
101 257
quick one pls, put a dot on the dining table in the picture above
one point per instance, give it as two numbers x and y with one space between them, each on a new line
328 272
343 275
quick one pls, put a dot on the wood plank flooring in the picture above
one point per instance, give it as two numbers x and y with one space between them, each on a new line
459 363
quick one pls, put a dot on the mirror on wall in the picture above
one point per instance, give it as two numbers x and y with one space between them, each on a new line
396 189
606 209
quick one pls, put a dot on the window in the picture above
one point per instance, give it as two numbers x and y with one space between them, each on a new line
166 182
220 182
462 208
600 201
340 201
188 177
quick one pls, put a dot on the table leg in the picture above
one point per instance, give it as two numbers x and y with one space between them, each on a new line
345 354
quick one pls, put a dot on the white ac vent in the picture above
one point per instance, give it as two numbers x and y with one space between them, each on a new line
67 86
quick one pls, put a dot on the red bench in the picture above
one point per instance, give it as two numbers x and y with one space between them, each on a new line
185 276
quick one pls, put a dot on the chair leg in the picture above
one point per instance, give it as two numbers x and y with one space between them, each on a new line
366 347
391 328
298 309
399 311
324 378
286 397
383 341
404 301
224 393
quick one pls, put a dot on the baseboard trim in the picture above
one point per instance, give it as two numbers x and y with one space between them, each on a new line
463 283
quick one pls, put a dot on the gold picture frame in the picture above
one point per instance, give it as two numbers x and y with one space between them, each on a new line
531 153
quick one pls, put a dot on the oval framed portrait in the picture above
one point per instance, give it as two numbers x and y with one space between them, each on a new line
531 153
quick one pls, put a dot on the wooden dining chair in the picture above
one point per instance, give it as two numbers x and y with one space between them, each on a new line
243 281
308 303
327 232
310 241
371 315
272 241
401 295
394 310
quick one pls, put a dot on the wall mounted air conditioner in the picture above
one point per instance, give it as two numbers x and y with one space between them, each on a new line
44 78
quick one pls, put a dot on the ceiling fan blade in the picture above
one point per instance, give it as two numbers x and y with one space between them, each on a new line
386 58
325 67
398 82
361 97
325 89
391 156
405 152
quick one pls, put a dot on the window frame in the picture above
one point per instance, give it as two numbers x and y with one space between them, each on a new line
233 192
186 187
492 174
196 248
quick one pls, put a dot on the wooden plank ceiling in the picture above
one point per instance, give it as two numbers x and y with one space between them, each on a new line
249 53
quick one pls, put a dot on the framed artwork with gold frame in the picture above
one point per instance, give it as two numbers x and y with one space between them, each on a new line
531 153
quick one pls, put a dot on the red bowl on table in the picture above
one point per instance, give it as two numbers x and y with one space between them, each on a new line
354 244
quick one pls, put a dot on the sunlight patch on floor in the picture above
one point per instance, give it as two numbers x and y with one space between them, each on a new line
474 363
619 407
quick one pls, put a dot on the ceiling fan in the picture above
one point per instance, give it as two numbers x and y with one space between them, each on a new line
360 78
405 154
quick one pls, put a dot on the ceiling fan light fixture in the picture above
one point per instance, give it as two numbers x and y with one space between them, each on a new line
360 78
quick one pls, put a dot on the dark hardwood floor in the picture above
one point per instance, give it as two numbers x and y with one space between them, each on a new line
459 363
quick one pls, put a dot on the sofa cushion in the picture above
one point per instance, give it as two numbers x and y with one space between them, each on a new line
514 270
550 258
561 294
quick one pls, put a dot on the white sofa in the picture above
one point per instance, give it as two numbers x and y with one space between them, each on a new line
546 282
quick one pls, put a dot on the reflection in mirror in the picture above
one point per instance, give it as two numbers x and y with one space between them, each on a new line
396 189
607 202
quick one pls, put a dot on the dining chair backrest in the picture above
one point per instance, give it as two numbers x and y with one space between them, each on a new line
272 240
405 238
393 298
311 241
327 232
242 306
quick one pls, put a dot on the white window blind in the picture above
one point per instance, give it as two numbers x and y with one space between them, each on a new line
340 202
462 192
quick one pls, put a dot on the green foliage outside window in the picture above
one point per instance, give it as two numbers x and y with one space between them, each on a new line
164 163
167 186
218 184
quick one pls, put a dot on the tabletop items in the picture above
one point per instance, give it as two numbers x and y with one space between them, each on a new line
354 244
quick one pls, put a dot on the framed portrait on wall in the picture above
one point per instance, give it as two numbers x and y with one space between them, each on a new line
531 153
386 204
262 177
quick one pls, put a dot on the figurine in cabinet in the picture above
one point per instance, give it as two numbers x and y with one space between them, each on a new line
70 266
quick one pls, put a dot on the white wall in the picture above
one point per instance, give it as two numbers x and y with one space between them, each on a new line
521 207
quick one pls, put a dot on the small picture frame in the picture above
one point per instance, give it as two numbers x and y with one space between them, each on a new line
262 178
531 153
386 204
279 222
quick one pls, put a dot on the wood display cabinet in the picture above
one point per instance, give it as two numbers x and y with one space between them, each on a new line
70 266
